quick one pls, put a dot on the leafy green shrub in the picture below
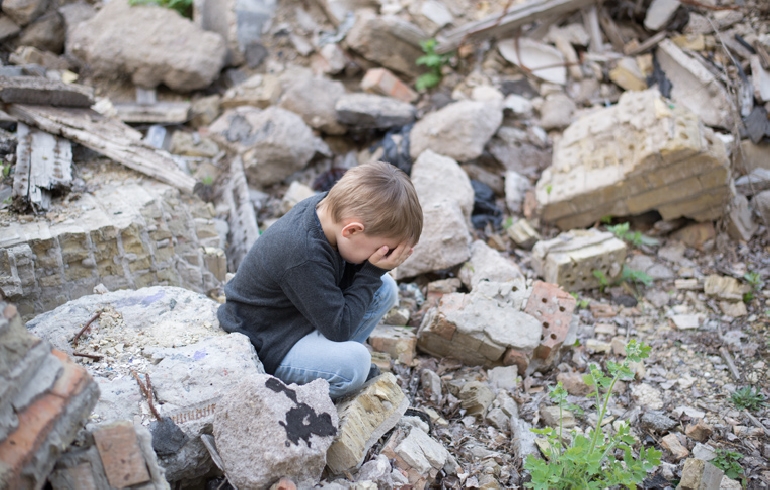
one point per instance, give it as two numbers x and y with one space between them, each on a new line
184 7
592 461
748 398
727 461
434 62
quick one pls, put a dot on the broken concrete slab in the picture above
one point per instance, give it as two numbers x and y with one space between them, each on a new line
523 234
44 91
142 41
459 130
446 197
373 111
417 455
382 81
169 334
400 342
109 137
540 59
694 87
259 90
157 113
45 413
680 173
298 424
571 258
487 264
364 417
387 40
273 143
314 98
125 235
43 165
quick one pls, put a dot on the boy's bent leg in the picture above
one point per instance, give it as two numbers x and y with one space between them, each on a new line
385 298
343 364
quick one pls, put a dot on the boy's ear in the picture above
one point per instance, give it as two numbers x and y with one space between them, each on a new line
352 228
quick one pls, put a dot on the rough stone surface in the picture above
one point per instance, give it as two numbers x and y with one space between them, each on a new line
8 28
459 130
556 112
516 187
761 203
659 13
476 396
364 418
574 383
478 328
418 456
570 259
626 160
399 342
487 264
46 33
124 236
314 98
740 220
259 90
700 475
22 12
446 197
694 86
376 39
551 417
170 334
143 41
294 194
296 423
274 143
373 111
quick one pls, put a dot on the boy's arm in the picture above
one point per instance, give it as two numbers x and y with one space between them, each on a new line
312 288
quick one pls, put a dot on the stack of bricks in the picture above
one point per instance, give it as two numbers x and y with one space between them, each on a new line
125 236
640 155
45 400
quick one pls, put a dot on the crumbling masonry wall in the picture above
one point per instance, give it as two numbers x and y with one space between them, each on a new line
124 236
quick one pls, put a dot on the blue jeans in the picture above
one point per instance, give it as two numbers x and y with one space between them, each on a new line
344 365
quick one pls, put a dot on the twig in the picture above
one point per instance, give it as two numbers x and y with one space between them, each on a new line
730 364
756 422
147 392
83 330
90 356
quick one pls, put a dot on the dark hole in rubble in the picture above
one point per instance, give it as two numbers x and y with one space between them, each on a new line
546 324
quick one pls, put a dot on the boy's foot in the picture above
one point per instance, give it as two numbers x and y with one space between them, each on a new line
374 371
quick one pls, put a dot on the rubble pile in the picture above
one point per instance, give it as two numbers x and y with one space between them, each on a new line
590 173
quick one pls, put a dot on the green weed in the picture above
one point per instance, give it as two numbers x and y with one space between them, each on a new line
6 168
727 461
184 7
636 238
582 303
756 283
589 461
602 277
632 275
748 398
434 62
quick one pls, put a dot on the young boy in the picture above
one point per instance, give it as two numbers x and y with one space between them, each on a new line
315 284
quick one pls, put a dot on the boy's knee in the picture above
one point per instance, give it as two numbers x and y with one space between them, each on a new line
352 374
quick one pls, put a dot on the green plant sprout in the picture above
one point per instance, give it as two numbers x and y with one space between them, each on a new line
603 281
636 238
508 222
748 398
588 461
434 62
755 281
632 275
727 461
582 303
184 7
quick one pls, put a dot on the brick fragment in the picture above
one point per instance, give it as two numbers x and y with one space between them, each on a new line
119 449
553 307
383 82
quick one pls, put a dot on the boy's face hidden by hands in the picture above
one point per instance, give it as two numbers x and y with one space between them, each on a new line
356 247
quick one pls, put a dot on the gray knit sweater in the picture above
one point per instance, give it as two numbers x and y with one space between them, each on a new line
293 282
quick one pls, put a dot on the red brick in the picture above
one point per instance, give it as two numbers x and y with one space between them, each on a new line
554 307
520 359
384 82
72 379
121 456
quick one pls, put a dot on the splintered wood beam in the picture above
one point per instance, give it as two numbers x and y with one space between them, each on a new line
500 25
43 164
244 229
44 91
109 137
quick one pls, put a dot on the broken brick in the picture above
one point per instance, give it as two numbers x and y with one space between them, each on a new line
553 307
383 82
121 456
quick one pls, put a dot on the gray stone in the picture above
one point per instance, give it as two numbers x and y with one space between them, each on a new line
76 12
296 423
504 377
553 416
700 475
431 385
373 111
388 40
740 220
751 156
381 473
446 197
556 112
313 98
648 265
274 143
46 33
660 13
704 452
421 452
761 203
142 42
516 187
476 396
41 382
657 422
8 28
517 152
487 264
754 182
22 12
170 334
519 105
459 130
523 439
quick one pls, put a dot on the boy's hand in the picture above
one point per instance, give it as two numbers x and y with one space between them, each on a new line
390 259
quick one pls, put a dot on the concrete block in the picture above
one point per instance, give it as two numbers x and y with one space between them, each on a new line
700 475
382 81
399 342
553 307
571 258
364 418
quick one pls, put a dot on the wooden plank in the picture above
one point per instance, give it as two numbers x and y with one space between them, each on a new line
158 113
44 91
244 230
109 137
501 25
43 164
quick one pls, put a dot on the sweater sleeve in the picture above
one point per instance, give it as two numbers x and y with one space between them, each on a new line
311 287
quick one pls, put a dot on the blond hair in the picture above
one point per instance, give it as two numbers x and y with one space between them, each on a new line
382 197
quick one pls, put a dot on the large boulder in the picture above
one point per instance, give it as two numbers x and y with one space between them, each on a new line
388 40
152 45
169 334
313 98
265 430
274 142
446 197
459 130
